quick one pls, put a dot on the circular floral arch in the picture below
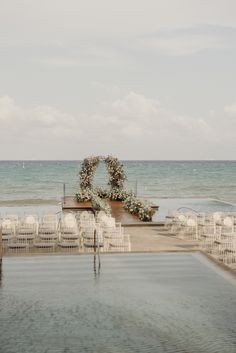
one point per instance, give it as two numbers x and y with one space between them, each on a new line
116 181
114 168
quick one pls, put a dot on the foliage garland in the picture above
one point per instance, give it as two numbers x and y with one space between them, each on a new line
116 192
114 167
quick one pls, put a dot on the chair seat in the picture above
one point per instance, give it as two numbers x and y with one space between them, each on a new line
44 245
68 245
46 231
48 236
25 231
70 236
6 237
29 236
18 246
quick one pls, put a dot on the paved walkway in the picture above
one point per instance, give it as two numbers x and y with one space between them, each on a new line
156 239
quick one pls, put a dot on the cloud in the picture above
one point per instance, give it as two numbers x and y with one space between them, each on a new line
185 45
135 106
230 109
138 116
35 121
131 119
189 41
132 114
125 116
84 55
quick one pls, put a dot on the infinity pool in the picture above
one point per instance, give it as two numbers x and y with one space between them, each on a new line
136 303
187 204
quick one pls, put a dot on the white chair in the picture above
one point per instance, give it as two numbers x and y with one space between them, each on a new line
8 232
26 231
190 229
92 236
68 225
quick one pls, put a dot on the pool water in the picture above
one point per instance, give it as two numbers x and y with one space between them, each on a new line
168 205
136 303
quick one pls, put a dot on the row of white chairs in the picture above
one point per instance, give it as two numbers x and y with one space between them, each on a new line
103 231
215 232
82 231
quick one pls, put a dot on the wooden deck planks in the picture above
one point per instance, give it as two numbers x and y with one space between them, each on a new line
117 210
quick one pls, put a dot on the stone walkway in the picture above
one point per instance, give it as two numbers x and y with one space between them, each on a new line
156 239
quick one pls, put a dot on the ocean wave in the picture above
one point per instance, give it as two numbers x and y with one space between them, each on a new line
29 202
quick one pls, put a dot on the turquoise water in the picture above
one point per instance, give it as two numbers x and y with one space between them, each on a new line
137 303
37 183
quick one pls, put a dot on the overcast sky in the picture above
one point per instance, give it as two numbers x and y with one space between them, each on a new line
139 79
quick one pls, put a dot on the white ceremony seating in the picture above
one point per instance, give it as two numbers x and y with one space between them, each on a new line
73 232
216 232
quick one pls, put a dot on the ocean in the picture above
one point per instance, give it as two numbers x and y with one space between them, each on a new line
201 185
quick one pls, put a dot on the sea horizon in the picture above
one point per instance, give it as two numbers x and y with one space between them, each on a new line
200 184
125 160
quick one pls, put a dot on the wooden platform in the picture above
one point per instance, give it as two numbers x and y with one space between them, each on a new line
117 210
70 203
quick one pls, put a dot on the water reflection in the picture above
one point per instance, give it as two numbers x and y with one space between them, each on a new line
0 273
96 265
165 303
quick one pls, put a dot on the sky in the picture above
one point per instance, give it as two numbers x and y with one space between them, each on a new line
139 79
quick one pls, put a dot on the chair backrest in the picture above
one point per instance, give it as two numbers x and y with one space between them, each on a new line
85 215
182 218
228 222
217 216
191 222
101 215
108 221
30 220
69 220
88 232
87 223
50 217
12 217
7 223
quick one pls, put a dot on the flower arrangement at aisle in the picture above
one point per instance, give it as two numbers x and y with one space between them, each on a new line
140 208
98 203
116 192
